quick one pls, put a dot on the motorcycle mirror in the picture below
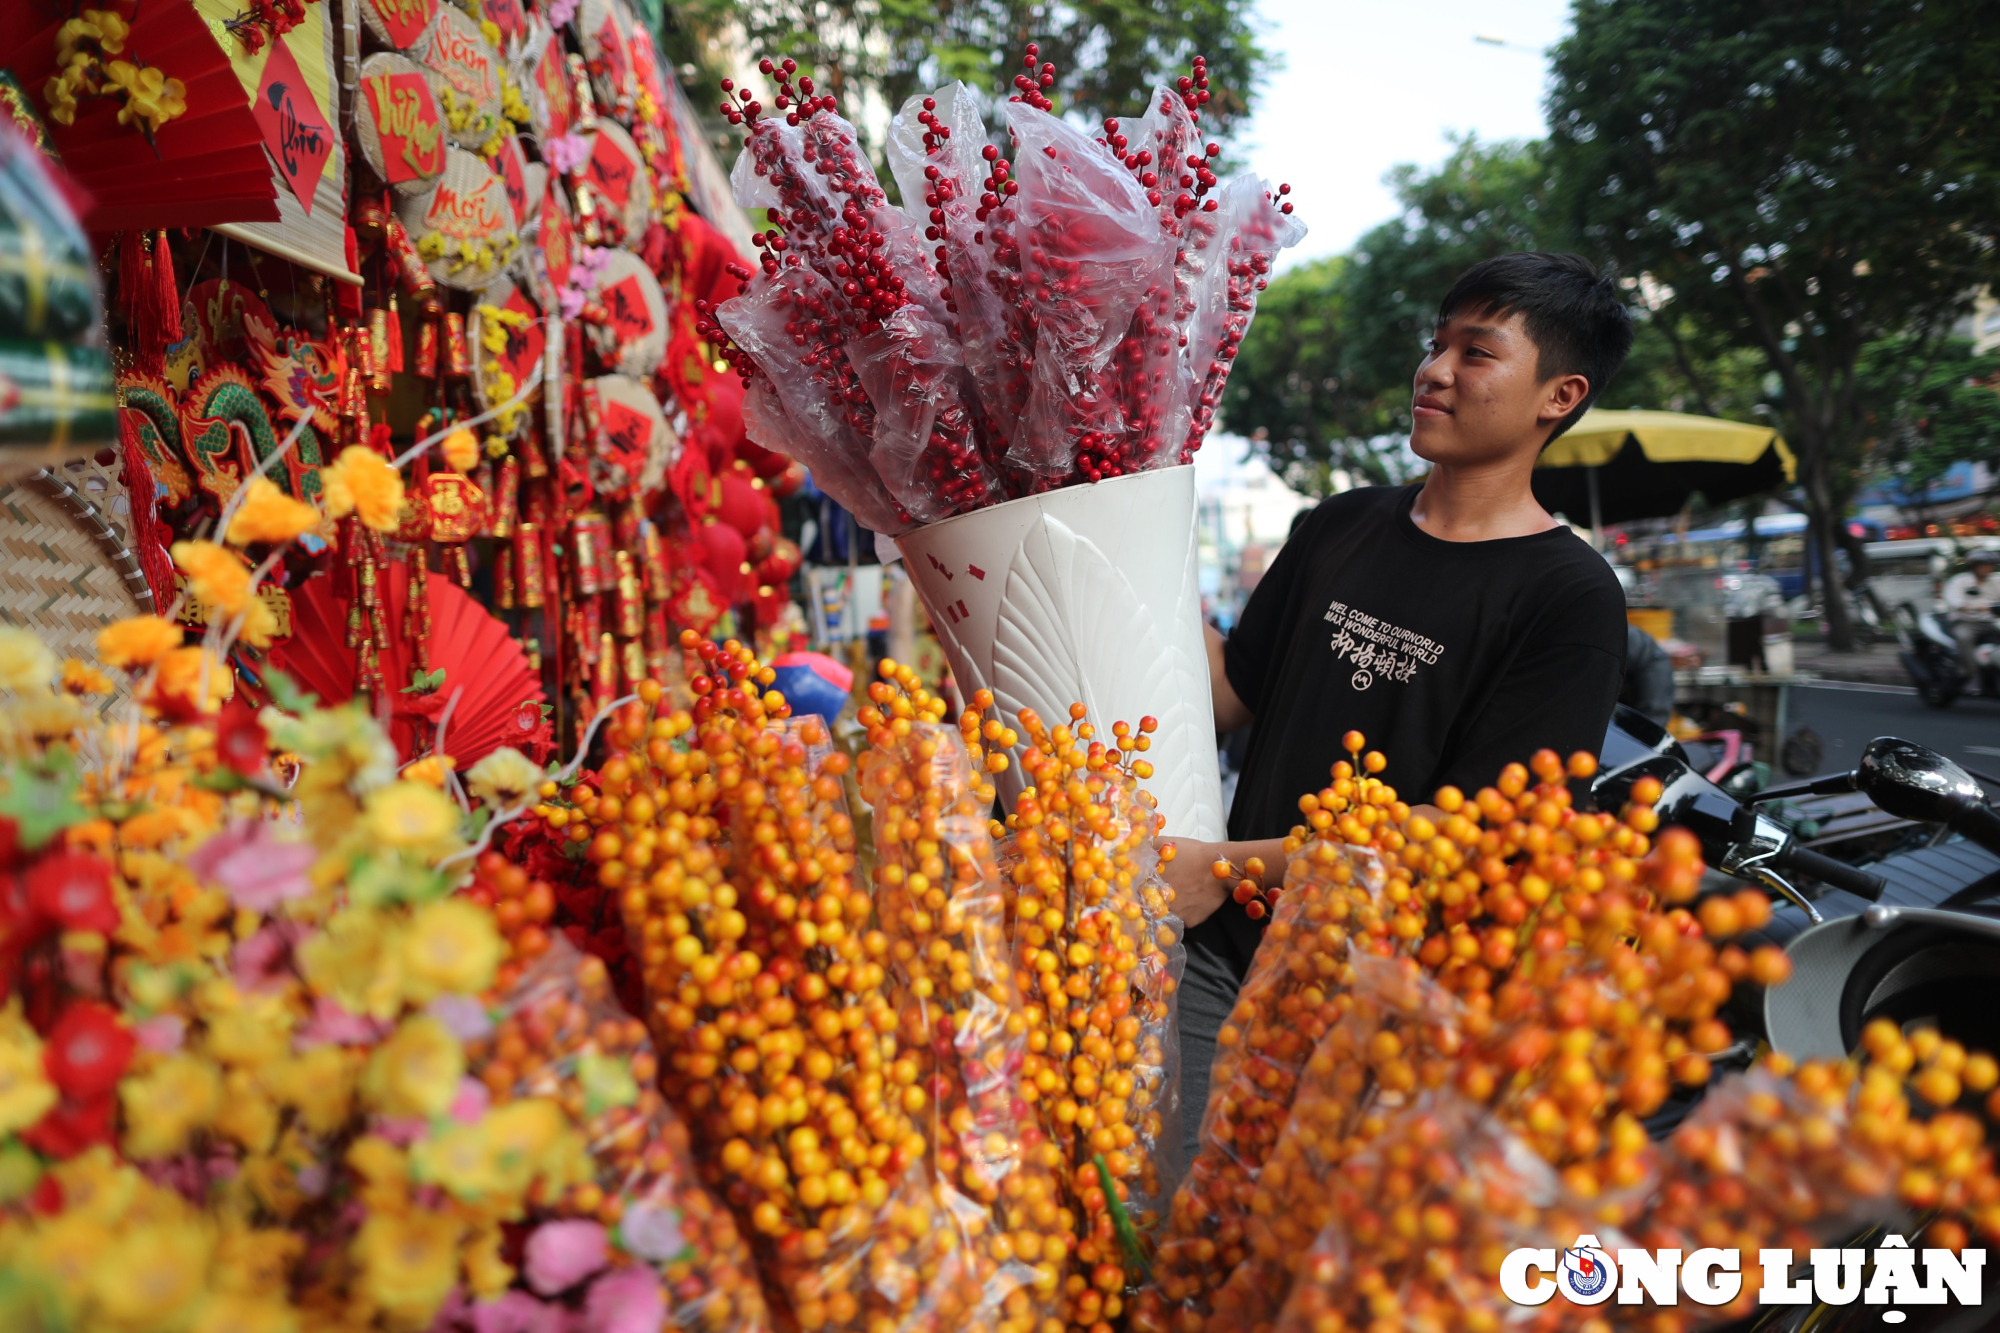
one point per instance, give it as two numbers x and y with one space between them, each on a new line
1912 782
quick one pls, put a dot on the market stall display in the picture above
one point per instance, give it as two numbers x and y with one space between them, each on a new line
432 917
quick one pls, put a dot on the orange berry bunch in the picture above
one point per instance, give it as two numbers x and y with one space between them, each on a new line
1092 935
558 1034
725 833
943 904
522 908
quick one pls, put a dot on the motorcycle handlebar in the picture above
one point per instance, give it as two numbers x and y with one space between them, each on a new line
1826 870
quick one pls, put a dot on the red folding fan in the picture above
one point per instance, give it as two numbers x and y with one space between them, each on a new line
205 166
499 698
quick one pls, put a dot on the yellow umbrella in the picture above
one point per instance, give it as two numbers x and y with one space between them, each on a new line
1613 467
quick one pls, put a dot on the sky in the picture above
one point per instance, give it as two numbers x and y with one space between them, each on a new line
1367 85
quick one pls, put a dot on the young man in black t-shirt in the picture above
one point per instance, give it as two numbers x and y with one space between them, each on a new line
1454 623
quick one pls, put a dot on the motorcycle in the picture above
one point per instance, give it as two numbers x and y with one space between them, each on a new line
1930 657
1914 937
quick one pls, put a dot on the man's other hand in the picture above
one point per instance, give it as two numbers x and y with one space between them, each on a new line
1191 874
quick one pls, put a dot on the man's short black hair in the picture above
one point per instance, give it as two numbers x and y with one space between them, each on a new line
1571 311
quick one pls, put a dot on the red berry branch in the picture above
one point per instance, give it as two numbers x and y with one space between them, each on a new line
1062 313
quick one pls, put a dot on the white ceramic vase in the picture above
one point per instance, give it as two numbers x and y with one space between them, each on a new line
1086 594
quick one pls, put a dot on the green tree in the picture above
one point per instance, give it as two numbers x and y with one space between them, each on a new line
1805 179
1109 54
1930 403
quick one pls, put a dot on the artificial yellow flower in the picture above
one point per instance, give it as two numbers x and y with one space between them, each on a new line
504 778
430 770
180 679
101 28
151 98
26 664
464 1160
356 959
96 1183
247 1115
529 1138
416 1072
461 450
408 1263
318 1083
164 1107
25 1091
244 1030
486 1272
362 482
451 946
255 1261
269 515
137 642
79 677
385 1174
48 717
232 1312
411 816
151 1274
216 575
65 1250
343 746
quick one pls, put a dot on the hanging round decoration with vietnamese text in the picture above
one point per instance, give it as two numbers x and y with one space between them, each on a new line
635 445
632 333
464 229
399 125
604 30
465 74
399 24
507 339
555 237
522 179
511 18
618 185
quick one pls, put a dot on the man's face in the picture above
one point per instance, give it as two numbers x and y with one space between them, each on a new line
1479 396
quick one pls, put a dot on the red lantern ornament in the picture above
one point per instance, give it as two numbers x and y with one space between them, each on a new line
742 504
723 552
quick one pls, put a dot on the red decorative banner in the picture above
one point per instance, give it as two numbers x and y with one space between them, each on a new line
509 17
611 43
558 245
628 435
625 305
611 172
409 124
478 216
297 135
553 79
511 168
522 355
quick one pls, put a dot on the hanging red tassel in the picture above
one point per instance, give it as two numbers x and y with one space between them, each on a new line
378 439
167 289
140 296
393 361
346 296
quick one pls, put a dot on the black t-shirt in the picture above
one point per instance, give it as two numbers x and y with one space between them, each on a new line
1452 658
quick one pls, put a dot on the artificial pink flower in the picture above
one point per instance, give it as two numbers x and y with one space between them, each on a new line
627 1301
333 1025
257 872
471 1103
162 1033
561 1254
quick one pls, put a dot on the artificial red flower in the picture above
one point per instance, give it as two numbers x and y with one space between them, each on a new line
88 1050
73 889
71 1127
239 739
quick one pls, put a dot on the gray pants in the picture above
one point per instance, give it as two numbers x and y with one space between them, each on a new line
1207 994
1967 633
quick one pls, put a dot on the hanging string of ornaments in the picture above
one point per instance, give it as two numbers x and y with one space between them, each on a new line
1058 315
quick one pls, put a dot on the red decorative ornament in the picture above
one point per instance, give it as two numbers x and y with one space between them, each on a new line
723 553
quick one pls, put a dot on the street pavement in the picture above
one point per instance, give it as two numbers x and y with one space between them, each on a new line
1848 716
